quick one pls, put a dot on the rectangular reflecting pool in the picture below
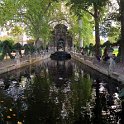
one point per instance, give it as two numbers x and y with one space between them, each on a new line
60 92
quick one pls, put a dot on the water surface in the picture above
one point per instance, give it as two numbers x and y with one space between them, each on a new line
59 92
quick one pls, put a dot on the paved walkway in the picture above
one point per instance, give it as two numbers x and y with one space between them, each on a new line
103 67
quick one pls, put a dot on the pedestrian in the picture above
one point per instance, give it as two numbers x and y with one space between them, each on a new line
82 51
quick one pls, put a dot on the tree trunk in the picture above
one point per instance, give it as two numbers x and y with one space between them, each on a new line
122 30
97 36
35 42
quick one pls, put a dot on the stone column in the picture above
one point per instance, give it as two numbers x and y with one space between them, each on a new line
80 30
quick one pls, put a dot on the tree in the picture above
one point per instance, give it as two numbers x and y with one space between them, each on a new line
35 15
122 30
94 8
18 48
71 20
110 26
17 31
86 31
7 48
120 18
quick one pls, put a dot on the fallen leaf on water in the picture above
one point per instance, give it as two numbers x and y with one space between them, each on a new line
10 109
14 114
19 122
8 117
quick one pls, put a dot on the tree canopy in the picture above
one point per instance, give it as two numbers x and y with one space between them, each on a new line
39 17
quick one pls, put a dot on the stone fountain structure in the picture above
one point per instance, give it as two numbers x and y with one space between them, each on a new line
62 41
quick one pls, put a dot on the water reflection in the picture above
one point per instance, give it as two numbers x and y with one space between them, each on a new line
59 92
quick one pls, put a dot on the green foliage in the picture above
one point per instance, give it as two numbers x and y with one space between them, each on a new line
29 49
8 10
7 48
30 41
34 14
8 42
36 17
3 38
16 31
114 34
110 29
87 30
95 9
115 52
79 5
106 44
110 25
18 47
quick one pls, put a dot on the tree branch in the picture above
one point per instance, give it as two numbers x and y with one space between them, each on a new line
47 7
88 12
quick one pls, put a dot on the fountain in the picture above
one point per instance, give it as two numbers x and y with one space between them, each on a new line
62 42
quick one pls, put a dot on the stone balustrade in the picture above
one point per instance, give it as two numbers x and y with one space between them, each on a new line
100 66
11 64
